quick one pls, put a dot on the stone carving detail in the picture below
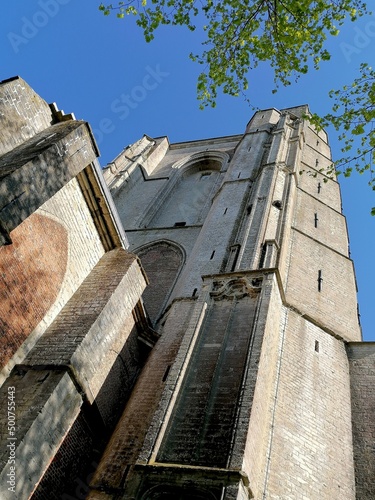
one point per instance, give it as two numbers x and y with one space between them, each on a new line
235 288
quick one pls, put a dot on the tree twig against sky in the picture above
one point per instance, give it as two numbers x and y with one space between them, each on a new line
354 116
288 34
239 34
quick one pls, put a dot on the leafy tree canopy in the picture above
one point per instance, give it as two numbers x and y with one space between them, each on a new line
354 117
242 33
290 35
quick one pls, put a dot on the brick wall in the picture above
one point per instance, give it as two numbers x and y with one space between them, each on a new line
94 342
268 335
202 424
47 404
335 305
68 475
132 196
320 222
52 253
310 442
316 154
323 189
126 443
31 273
90 331
120 380
362 383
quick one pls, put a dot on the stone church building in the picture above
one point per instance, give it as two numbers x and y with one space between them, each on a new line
212 350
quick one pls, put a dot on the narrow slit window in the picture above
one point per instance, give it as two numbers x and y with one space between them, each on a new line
249 209
194 292
235 250
319 187
316 345
212 255
317 162
225 211
239 175
262 255
316 219
358 315
320 280
166 373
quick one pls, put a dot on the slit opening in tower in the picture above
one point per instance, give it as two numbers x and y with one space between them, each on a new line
236 252
320 280
263 255
316 219
166 373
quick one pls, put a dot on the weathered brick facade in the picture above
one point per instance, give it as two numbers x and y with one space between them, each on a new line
31 273
246 377
362 381
73 331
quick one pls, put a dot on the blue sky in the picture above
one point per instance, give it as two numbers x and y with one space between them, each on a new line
74 56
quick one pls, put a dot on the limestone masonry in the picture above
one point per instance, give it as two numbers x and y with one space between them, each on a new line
212 350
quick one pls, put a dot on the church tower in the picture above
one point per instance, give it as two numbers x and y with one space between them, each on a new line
246 394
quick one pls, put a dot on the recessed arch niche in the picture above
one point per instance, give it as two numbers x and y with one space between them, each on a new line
188 194
162 261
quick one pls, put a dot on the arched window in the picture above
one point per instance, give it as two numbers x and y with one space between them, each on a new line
162 261
190 198
187 197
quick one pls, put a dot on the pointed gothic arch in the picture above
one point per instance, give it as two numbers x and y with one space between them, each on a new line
188 193
162 261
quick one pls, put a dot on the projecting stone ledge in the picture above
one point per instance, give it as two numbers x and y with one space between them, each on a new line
176 481
91 330
32 172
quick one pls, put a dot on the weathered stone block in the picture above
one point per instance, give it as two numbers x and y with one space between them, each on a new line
89 332
34 171
46 406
